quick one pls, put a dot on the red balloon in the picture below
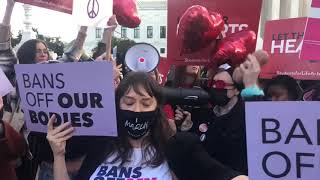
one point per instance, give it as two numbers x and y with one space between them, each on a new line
197 28
234 48
126 13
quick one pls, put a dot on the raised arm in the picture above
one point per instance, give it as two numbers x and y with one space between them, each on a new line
107 35
76 50
5 26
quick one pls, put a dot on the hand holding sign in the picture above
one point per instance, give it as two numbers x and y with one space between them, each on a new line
57 137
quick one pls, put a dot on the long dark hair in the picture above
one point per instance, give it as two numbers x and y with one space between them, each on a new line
27 52
179 76
153 145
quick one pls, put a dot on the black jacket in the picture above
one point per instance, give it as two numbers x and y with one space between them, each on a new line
225 137
189 160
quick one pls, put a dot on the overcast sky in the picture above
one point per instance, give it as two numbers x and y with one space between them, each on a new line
48 22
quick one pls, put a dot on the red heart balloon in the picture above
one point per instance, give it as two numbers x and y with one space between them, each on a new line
234 48
126 13
197 28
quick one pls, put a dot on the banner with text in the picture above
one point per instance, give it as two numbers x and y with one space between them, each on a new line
238 15
80 93
94 13
283 42
283 140
56 5
311 41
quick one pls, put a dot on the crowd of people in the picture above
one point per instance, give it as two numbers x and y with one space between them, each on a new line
178 141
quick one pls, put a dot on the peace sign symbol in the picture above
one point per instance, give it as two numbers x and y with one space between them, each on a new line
93 8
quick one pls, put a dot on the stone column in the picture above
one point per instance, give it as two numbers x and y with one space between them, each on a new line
27 33
289 8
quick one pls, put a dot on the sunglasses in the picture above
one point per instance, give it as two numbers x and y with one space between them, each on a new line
219 84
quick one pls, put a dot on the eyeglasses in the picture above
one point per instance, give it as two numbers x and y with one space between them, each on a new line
219 84
44 51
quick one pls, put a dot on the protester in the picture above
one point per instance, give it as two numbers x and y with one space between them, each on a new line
138 102
282 88
221 127
186 76
32 52
12 146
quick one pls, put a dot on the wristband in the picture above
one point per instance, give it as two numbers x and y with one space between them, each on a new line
5 45
252 91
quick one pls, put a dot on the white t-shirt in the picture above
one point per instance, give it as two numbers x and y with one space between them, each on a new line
132 170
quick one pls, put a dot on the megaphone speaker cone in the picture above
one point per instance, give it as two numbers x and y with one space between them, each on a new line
142 57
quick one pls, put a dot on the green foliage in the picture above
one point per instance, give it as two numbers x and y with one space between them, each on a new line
16 40
54 43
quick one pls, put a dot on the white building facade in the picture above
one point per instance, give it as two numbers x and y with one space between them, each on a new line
281 9
152 30
153 27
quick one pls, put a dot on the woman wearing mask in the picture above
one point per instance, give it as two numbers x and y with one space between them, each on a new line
222 126
137 151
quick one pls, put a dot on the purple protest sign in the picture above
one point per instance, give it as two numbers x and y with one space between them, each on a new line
82 93
5 85
283 140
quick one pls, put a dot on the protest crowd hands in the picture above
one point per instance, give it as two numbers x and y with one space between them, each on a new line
241 178
58 136
250 70
112 23
183 118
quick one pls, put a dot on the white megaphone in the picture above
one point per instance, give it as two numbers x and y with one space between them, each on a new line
142 57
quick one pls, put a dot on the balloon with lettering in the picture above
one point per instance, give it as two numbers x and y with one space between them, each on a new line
126 13
197 29
234 48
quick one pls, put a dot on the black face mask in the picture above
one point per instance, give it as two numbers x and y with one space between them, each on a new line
137 124
218 97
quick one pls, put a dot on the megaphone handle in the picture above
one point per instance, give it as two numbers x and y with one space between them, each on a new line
186 108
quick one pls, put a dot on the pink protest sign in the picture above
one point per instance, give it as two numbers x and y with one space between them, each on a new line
315 3
311 42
